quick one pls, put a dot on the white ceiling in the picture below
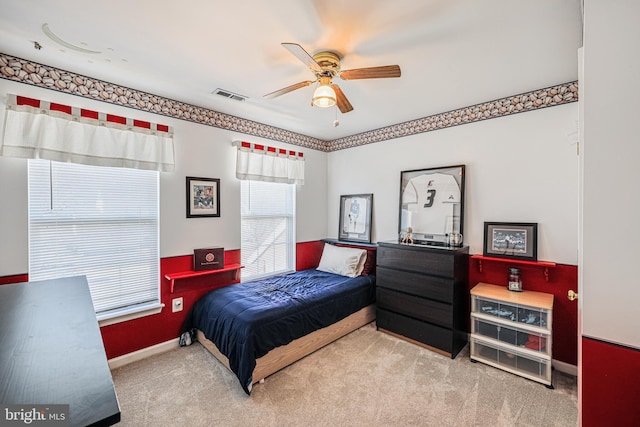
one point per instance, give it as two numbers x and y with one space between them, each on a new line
453 53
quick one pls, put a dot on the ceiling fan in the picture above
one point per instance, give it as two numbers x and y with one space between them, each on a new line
326 65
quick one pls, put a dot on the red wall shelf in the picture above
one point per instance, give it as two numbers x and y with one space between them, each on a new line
172 277
545 264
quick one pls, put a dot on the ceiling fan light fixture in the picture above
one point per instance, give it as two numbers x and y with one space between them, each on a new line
324 95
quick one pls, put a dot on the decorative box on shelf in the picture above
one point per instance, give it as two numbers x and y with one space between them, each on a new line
512 330
208 259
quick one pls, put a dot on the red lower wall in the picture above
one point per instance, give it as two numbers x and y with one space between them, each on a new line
126 337
562 278
18 278
610 375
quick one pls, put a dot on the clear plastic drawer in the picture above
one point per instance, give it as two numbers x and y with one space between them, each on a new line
534 368
512 336
515 313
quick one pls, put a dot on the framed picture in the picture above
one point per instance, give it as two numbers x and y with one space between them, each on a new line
203 197
432 205
355 218
517 240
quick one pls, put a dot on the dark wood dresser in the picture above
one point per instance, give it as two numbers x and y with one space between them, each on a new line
422 295
51 353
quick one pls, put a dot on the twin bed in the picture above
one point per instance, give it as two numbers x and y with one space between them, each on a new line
257 328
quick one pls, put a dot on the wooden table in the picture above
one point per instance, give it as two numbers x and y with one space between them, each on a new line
51 351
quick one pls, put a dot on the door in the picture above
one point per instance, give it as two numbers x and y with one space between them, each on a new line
609 349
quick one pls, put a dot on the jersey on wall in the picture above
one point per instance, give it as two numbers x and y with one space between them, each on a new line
428 201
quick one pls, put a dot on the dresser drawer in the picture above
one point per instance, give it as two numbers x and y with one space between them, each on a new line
418 308
425 333
438 262
436 288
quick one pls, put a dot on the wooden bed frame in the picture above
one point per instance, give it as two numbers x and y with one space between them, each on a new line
283 356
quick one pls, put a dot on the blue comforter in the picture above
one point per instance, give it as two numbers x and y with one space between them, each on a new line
247 320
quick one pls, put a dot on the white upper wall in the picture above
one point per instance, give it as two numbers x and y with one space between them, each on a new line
520 168
200 151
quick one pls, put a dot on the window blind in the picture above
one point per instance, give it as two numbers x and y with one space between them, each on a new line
268 228
100 222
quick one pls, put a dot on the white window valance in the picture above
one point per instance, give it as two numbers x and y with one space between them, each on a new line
41 129
257 162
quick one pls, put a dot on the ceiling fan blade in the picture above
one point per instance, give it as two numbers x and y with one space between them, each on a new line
383 71
303 56
341 100
288 89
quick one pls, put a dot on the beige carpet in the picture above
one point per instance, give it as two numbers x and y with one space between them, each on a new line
367 378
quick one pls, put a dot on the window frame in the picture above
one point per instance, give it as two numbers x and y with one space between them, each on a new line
151 300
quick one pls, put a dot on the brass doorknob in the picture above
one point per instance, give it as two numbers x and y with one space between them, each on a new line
572 295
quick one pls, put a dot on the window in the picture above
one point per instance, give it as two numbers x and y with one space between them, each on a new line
268 228
100 222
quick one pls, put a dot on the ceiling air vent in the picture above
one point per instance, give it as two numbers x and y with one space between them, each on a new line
228 94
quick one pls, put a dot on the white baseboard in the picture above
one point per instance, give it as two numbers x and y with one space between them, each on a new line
567 368
125 359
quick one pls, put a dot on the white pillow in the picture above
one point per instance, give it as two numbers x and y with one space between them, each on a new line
363 260
344 261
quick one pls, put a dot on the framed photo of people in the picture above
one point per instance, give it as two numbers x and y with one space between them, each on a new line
203 197
355 218
432 206
517 240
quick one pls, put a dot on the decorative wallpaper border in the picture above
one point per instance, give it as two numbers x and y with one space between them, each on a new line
28 72
541 98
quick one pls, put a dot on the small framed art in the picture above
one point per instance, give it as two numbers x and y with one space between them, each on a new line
203 197
355 218
517 240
